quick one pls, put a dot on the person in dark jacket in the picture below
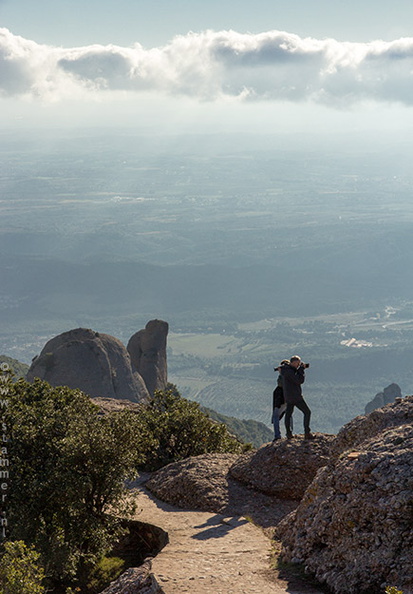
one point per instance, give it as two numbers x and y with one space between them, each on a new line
278 403
293 377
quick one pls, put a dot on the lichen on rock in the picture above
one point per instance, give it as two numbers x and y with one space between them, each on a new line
353 527
284 468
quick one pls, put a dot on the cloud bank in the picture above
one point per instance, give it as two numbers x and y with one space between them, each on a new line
214 65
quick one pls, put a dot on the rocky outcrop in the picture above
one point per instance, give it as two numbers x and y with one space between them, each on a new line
285 468
205 483
147 350
211 552
97 364
353 527
199 482
135 580
364 427
389 395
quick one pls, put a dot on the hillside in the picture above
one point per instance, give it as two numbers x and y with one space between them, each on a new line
248 431
19 369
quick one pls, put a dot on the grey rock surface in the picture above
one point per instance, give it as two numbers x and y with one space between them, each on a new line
284 468
199 482
147 350
97 364
214 553
135 580
205 483
353 527
365 426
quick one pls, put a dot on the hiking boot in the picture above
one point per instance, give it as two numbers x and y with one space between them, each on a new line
309 436
289 435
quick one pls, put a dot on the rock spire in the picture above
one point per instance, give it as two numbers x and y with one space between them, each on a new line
147 350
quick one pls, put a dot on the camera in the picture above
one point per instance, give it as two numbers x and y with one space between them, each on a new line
304 365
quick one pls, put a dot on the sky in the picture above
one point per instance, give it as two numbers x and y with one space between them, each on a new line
191 65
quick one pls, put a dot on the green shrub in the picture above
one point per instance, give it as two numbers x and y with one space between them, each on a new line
70 463
69 467
105 571
180 429
20 572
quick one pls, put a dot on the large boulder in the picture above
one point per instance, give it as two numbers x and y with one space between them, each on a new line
284 468
135 580
389 395
147 350
97 364
353 527
204 483
198 482
366 426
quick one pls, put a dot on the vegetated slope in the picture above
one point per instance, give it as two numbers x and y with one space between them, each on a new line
247 430
19 369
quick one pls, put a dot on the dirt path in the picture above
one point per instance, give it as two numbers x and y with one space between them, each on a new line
211 553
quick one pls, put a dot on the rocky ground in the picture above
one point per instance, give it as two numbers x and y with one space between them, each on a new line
215 553
205 483
352 528
284 469
219 531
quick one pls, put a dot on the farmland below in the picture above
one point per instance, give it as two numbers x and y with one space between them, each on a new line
252 248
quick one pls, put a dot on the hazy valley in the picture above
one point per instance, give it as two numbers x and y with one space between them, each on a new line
252 248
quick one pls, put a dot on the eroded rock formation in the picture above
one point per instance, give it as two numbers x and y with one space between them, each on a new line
147 350
389 395
97 364
284 469
364 427
353 527
199 482
205 483
135 580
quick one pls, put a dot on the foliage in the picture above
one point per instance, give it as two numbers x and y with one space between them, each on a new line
181 429
105 571
70 463
20 572
69 467
393 590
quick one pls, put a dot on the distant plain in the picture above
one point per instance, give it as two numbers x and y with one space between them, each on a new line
253 248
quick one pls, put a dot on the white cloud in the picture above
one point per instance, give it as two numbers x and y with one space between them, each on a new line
214 65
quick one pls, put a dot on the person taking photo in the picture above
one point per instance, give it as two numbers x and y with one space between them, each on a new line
293 377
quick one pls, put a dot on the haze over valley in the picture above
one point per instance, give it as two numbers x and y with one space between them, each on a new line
252 247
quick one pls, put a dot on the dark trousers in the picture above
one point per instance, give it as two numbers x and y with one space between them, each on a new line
301 405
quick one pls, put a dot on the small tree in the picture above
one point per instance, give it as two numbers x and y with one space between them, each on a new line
69 464
180 429
20 572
